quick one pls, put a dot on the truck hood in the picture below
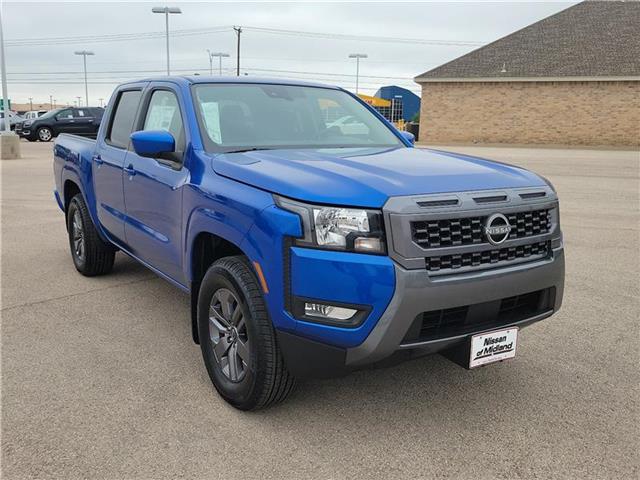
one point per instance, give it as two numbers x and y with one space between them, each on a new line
367 177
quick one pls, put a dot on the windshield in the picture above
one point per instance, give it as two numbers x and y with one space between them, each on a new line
261 116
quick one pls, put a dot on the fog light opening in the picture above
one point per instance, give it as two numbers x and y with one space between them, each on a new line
321 310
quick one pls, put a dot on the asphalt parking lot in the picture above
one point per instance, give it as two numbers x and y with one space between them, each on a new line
100 378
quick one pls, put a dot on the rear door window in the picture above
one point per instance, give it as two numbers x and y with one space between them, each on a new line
123 118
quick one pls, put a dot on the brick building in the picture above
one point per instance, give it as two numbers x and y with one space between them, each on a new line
572 78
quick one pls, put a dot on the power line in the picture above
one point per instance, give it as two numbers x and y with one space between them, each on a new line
123 37
362 38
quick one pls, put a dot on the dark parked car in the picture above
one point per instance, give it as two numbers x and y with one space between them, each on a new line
79 121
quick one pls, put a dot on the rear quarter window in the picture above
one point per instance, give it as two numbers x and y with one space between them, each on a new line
123 118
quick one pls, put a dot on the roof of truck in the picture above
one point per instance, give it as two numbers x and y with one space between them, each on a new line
196 79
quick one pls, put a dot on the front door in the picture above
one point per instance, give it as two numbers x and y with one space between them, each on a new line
153 189
109 160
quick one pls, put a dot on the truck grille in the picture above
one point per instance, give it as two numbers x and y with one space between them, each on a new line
468 231
477 317
488 257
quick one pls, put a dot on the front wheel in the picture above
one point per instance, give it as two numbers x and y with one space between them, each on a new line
90 254
45 134
237 338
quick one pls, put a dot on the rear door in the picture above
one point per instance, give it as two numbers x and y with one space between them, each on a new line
153 187
109 159
84 121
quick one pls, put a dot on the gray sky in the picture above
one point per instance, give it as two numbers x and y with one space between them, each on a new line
46 66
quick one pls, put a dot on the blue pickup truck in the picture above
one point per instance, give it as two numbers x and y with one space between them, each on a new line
309 249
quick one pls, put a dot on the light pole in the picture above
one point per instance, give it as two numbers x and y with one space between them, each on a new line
220 55
5 96
51 101
84 54
357 56
167 11
101 100
9 141
79 103
31 104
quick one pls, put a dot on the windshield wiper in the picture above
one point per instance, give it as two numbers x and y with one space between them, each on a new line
248 149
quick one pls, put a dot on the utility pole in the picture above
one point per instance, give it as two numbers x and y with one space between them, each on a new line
51 101
31 104
101 100
238 31
358 56
54 103
84 54
79 103
166 11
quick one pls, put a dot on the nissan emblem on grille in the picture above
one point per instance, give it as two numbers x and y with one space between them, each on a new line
497 228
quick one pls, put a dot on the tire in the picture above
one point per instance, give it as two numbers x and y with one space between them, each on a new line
45 134
90 254
261 378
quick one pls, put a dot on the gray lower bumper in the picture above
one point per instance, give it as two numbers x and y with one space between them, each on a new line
416 292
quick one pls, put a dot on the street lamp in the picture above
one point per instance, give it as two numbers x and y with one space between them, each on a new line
357 56
84 54
166 11
220 55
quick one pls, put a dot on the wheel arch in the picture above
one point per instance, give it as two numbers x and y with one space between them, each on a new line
205 249
70 189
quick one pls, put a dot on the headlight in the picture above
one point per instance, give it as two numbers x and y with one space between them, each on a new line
26 123
338 228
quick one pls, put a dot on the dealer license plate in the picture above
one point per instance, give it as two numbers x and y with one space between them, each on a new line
493 346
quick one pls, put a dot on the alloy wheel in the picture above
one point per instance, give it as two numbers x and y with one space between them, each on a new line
228 334
78 236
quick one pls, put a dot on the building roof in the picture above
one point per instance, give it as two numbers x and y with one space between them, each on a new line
590 39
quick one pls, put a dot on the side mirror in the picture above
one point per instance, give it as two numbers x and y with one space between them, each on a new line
410 137
153 143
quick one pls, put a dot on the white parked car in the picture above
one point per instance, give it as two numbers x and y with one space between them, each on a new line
350 125
14 118
33 114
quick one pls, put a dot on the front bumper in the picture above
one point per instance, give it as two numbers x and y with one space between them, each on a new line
415 293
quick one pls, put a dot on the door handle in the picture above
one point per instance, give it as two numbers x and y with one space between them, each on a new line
98 160
130 170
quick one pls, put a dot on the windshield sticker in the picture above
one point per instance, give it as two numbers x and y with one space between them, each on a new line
211 115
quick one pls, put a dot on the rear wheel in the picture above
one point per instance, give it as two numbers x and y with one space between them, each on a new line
237 338
90 254
45 134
